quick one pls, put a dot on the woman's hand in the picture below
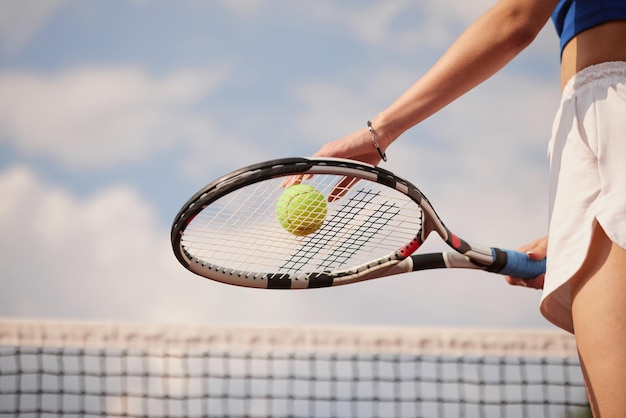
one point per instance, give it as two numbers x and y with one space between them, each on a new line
536 250
357 146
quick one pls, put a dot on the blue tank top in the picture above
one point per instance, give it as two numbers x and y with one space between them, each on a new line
571 17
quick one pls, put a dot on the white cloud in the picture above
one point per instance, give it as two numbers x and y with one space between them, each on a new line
66 254
435 24
432 24
465 12
245 8
373 23
97 117
330 109
21 20
508 113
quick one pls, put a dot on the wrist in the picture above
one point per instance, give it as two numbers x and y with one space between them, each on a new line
374 139
385 132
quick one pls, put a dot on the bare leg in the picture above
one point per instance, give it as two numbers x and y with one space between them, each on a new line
599 314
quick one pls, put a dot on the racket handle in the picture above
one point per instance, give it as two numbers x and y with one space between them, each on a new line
520 265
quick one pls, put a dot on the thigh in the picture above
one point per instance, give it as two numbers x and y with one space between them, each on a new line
599 316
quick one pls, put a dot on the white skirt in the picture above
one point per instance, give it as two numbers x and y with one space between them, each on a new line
587 155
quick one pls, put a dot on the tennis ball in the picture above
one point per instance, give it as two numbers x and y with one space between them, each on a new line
301 209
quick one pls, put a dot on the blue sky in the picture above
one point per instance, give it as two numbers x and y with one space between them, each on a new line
113 113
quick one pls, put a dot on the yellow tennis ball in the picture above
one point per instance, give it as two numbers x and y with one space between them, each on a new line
301 209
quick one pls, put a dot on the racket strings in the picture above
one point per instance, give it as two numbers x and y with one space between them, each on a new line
216 224
241 231
360 236
229 232
335 229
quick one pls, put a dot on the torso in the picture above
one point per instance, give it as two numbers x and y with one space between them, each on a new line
602 43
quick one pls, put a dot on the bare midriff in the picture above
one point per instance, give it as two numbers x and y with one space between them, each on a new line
603 43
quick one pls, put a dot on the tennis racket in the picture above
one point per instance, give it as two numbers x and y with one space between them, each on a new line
229 231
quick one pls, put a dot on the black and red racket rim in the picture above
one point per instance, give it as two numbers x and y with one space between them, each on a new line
284 167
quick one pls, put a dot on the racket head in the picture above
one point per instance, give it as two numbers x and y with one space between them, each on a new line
230 232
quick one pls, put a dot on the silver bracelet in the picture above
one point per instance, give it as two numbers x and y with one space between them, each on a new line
373 135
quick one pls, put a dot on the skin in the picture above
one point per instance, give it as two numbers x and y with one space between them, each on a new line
482 50
599 315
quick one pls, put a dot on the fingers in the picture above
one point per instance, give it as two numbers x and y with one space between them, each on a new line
341 188
343 148
536 250
534 283
293 180
356 146
344 185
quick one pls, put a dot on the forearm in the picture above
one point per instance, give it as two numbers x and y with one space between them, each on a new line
483 49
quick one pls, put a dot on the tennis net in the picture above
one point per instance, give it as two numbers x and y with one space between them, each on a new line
51 368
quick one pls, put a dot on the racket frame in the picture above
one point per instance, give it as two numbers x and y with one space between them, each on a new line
400 261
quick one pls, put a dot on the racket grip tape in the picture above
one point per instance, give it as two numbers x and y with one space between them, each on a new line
518 264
